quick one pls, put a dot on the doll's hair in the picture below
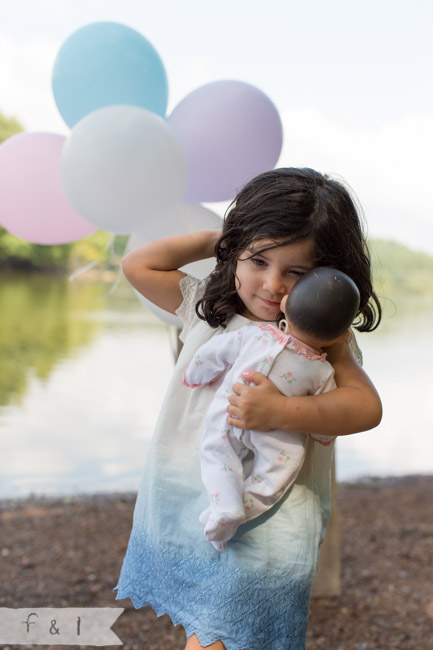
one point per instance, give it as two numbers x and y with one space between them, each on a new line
323 303
288 205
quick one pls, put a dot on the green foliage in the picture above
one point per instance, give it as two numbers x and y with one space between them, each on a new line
18 253
397 269
9 126
97 247
40 324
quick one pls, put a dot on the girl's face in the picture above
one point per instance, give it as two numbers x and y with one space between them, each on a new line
263 279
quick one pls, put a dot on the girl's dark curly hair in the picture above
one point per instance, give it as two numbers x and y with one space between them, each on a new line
287 205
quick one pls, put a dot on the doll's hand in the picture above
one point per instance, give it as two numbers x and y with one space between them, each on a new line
255 407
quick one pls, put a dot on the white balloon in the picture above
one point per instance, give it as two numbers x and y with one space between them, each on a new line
122 166
162 314
190 217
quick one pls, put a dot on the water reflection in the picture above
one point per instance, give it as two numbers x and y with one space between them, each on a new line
83 375
78 414
38 327
398 357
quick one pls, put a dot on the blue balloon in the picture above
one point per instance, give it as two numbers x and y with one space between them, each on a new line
105 64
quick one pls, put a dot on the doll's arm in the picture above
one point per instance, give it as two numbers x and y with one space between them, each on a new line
212 359
352 407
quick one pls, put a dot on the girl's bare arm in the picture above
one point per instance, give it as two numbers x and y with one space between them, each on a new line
153 269
352 407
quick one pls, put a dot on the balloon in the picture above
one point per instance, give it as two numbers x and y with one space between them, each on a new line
230 132
188 218
122 165
33 205
165 316
105 64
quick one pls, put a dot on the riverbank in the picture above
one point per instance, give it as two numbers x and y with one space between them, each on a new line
68 552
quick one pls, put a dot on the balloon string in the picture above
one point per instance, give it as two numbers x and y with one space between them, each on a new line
115 283
174 340
119 270
119 267
82 270
91 265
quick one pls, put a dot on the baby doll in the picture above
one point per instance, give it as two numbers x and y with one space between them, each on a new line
246 472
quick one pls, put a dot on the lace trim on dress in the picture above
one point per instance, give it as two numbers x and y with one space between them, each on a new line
192 290
188 286
259 610
355 347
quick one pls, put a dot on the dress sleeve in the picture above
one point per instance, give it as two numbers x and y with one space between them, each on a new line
192 290
355 347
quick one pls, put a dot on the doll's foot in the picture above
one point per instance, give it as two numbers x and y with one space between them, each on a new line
223 528
220 546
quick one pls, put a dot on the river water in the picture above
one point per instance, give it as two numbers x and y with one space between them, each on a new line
83 374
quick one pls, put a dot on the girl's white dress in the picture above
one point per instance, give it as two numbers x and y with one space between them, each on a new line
256 594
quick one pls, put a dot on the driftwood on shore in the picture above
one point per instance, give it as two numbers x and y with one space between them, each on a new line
68 552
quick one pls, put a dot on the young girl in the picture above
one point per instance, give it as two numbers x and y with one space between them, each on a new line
246 472
256 595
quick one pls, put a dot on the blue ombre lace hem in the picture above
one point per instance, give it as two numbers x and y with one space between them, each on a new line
216 599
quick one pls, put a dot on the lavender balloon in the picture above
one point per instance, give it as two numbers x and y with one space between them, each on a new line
230 132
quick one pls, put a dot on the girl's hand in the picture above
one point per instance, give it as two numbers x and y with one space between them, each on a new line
353 406
253 407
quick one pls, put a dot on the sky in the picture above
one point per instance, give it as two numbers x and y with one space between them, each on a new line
352 81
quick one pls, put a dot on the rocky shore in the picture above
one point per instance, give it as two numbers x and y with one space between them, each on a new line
66 552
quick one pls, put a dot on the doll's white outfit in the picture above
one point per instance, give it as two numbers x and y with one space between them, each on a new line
246 472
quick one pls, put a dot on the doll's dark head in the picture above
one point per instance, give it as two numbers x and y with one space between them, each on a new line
323 304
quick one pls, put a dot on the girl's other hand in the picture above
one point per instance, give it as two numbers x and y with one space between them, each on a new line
252 406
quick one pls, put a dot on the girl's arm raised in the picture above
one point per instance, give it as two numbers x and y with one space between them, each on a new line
352 407
153 269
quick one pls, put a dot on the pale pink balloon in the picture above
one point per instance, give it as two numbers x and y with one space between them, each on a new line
33 205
